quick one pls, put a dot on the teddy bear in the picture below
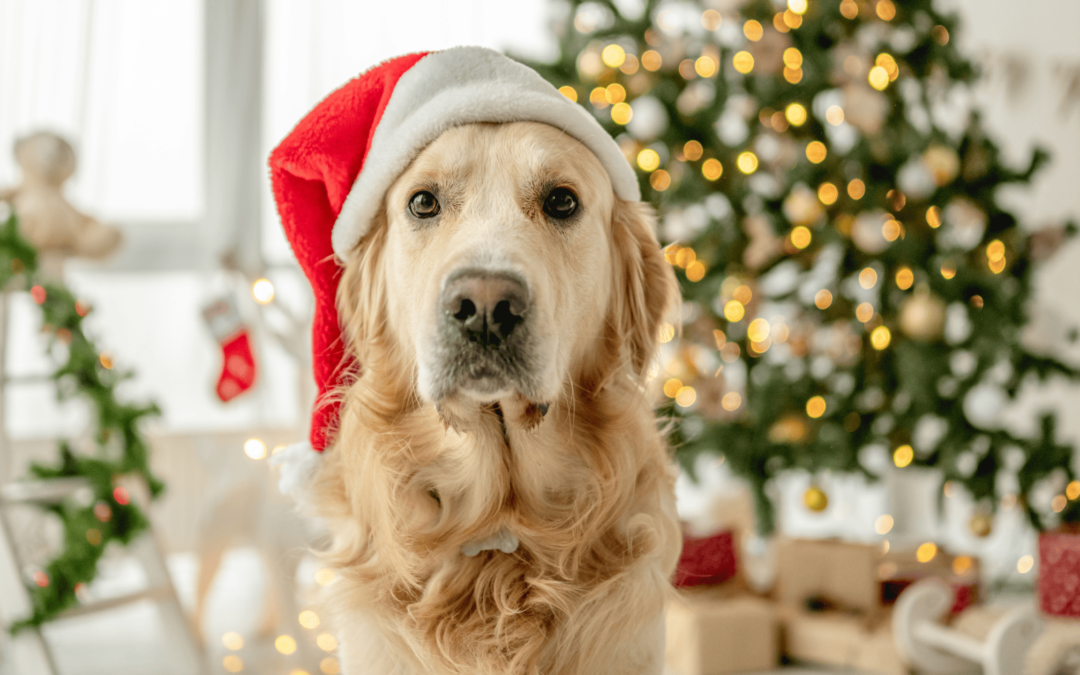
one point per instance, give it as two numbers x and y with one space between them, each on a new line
56 228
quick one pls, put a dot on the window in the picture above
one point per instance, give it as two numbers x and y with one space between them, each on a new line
122 80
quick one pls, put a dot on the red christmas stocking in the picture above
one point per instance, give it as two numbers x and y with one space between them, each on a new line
237 359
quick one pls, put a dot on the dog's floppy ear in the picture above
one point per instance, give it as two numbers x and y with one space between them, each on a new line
361 294
645 290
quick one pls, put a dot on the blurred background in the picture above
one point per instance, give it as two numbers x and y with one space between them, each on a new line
169 109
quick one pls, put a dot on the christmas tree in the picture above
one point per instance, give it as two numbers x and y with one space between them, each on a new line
852 287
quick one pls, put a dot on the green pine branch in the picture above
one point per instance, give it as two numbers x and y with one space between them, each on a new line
106 514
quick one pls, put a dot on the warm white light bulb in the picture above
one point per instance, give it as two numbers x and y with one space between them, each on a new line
263 291
254 448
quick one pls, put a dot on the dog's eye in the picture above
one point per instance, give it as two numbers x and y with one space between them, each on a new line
424 205
560 203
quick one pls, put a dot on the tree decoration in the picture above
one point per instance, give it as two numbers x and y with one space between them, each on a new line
815 154
922 315
981 524
105 513
815 499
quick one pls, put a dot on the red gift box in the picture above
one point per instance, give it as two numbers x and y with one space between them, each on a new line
706 560
1059 572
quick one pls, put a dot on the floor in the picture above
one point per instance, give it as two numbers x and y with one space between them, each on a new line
129 641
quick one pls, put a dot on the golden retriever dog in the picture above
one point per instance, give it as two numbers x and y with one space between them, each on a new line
499 496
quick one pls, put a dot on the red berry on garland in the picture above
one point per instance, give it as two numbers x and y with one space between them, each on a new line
103 512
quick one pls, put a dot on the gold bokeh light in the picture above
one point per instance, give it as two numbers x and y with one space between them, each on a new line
747 162
743 62
712 169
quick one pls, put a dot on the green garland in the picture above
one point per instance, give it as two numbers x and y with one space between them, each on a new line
694 84
109 515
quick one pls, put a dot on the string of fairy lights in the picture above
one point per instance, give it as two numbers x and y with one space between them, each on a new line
797 147
309 620
286 644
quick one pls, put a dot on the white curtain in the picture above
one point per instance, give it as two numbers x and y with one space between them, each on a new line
122 80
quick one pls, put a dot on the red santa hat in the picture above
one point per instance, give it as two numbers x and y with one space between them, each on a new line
329 175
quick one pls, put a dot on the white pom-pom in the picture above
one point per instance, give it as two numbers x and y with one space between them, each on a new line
298 464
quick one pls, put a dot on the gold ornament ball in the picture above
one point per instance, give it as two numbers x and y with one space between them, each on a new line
981 524
922 316
815 499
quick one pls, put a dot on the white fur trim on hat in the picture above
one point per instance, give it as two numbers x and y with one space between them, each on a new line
459 86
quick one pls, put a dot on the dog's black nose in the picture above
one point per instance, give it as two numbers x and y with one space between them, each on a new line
485 306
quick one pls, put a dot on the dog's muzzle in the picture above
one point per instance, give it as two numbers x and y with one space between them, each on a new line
485 330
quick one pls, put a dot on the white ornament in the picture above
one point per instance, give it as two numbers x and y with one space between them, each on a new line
821 367
1001 373
718 206
801 206
929 431
765 185
1014 459
957 323
867 233
732 128
962 363
883 424
843 383
915 180
965 225
780 280
966 463
795 369
946 387
983 405
842 138
870 399
875 459
865 108
650 118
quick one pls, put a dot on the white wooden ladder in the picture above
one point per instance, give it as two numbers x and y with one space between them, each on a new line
28 652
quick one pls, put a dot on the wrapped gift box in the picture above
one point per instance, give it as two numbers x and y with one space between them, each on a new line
841 640
833 573
712 631
1059 572
707 560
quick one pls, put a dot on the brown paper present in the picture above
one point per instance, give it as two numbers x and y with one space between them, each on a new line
841 640
713 631
837 574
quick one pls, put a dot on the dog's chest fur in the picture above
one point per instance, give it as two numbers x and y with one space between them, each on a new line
583 491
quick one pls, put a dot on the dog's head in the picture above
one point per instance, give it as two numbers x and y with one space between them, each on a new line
502 263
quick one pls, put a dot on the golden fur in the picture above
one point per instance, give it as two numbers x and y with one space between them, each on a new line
587 490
